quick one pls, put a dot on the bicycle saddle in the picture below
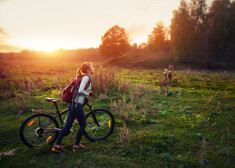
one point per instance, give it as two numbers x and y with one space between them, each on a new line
52 99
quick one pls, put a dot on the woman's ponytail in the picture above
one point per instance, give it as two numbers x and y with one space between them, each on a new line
79 73
83 69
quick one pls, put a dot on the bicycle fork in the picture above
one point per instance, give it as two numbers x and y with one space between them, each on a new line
93 115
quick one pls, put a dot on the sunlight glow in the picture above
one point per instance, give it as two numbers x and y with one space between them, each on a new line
44 48
138 41
51 45
77 24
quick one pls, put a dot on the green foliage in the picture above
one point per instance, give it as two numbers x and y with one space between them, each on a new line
114 42
182 34
158 39
222 16
203 37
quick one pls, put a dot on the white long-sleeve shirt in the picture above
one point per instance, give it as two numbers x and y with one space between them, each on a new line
80 97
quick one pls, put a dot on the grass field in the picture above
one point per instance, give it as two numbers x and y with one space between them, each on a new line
188 122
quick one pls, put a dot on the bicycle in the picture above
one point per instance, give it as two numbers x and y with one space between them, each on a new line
41 129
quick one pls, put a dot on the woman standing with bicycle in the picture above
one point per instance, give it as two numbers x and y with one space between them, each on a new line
76 110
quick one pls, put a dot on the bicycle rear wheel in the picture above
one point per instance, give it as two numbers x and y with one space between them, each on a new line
105 126
39 130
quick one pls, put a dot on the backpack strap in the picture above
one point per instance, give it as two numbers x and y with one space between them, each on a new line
88 83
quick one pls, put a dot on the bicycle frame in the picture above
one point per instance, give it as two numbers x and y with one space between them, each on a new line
64 111
59 113
44 120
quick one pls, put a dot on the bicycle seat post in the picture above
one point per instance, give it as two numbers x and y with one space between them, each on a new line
57 109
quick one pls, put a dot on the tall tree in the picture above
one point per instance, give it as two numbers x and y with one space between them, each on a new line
114 42
198 17
204 37
231 45
187 29
182 34
157 40
221 27
198 14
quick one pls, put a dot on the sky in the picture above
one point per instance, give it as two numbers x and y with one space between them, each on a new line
70 24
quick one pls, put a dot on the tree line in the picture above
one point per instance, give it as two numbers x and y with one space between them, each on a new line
81 54
198 35
202 35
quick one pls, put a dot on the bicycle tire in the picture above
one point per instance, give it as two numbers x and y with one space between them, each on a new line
106 125
38 132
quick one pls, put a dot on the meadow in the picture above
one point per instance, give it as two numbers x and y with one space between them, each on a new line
187 121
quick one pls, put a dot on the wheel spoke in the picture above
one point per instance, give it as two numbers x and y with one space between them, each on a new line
39 122
41 134
104 120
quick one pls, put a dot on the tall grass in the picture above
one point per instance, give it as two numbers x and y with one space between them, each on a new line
125 134
190 126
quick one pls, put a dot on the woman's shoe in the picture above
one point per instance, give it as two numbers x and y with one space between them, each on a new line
56 149
62 146
80 148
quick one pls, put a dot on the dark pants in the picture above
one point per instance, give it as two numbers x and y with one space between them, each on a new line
74 112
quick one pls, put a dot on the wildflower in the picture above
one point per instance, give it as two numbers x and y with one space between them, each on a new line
198 116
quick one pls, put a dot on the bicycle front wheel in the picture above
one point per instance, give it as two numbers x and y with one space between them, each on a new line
101 129
39 130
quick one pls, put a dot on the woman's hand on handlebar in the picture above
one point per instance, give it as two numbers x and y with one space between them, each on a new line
91 93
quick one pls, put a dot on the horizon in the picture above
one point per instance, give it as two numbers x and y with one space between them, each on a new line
77 24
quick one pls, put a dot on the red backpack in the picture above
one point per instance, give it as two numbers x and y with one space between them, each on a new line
68 92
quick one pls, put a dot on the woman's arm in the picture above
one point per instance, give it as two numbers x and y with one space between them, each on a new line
84 82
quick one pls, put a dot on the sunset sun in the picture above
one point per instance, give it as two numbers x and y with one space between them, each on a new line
51 44
44 47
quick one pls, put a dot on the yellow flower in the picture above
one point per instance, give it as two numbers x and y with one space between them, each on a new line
198 116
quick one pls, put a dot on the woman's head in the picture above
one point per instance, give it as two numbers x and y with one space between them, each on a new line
86 68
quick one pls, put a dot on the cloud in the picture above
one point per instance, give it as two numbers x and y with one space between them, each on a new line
146 7
147 4
8 47
2 1
3 34
4 47
135 29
